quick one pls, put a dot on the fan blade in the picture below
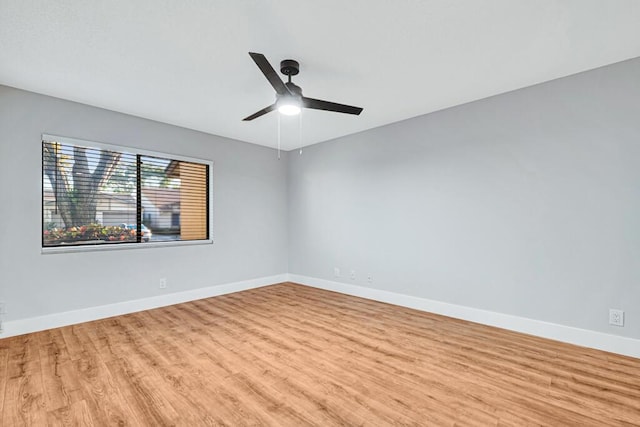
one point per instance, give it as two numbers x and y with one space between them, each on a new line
262 112
318 104
269 73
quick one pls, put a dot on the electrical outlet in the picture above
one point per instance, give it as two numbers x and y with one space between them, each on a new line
616 317
369 278
163 283
336 272
353 275
3 308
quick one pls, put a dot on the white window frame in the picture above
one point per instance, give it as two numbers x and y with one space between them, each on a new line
133 150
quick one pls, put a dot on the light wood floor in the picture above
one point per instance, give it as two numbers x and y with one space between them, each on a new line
293 355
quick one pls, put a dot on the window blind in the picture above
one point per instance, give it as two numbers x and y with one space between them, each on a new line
97 195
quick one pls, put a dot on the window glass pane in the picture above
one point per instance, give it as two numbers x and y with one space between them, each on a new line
174 199
88 195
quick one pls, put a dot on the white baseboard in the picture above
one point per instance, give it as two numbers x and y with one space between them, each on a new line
56 320
582 337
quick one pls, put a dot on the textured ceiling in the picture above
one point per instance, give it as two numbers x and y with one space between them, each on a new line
186 62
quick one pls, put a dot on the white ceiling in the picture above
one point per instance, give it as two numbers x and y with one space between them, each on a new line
186 62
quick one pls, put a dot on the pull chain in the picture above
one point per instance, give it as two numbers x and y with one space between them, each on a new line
278 136
300 132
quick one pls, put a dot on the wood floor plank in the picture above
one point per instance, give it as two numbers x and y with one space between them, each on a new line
78 414
293 355
5 345
54 360
24 393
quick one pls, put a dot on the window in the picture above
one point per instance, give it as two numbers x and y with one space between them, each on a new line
96 194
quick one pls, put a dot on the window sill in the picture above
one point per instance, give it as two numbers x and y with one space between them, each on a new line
121 246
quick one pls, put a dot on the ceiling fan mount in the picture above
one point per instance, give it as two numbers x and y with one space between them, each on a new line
289 67
289 99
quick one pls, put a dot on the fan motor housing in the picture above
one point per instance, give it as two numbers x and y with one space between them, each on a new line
294 88
289 67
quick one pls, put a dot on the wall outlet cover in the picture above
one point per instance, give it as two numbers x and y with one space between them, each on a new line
616 317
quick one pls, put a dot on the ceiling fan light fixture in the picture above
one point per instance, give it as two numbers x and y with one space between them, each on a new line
289 106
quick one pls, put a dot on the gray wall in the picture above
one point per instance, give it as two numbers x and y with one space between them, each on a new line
249 210
527 203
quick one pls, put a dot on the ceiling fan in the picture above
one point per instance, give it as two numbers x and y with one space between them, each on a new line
289 99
